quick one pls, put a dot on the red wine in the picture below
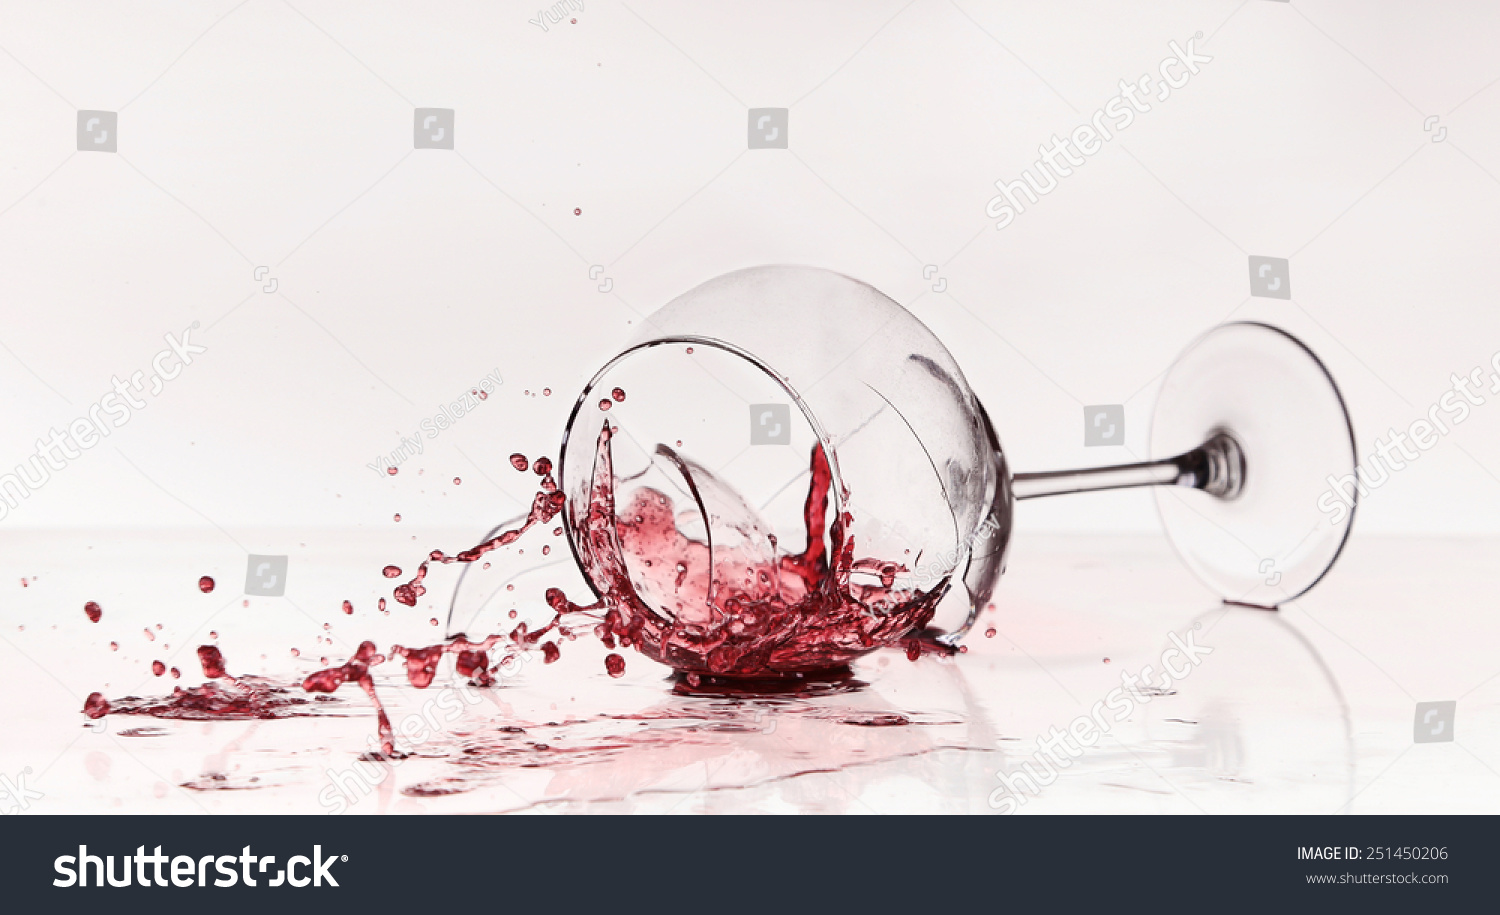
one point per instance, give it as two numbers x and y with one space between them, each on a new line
721 615
727 612
357 670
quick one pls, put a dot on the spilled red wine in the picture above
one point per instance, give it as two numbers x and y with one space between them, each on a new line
728 609
223 697
739 610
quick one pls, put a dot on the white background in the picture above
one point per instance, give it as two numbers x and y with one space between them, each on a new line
279 135
276 134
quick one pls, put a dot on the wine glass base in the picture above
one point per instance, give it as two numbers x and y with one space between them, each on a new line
1278 535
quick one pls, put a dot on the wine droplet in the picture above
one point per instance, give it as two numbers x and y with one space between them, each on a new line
615 665
96 706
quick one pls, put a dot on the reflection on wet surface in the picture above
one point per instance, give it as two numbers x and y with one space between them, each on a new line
1280 715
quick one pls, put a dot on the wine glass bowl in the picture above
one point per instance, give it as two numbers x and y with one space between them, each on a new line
788 453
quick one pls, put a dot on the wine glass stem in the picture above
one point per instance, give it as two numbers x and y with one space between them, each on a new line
1217 467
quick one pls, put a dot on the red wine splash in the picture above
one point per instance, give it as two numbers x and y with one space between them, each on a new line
711 612
732 611
357 670
544 507
224 697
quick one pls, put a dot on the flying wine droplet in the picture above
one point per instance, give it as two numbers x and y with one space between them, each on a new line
205 584
93 610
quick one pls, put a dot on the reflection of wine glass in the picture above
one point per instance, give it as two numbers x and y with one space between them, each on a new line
1262 725
915 741
1249 427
